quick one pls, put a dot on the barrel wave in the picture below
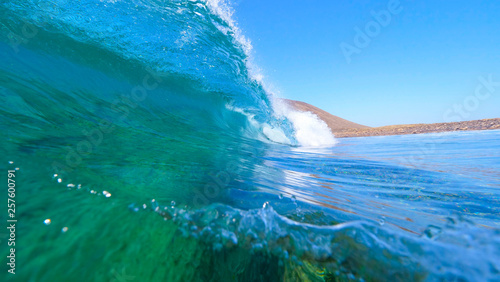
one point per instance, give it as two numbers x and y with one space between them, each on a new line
147 148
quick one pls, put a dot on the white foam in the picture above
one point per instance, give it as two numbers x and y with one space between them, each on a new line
223 9
225 12
310 130
265 131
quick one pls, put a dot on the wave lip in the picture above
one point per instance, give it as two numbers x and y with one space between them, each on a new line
309 129
195 41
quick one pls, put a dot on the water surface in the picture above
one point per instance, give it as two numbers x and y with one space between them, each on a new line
140 130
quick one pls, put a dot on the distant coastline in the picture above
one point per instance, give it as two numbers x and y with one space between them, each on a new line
342 128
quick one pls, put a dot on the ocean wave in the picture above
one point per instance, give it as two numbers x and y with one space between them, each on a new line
109 104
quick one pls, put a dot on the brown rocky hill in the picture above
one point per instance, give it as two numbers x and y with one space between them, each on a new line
344 128
334 122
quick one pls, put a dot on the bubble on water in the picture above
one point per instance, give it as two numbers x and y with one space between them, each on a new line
281 196
217 247
144 206
59 180
381 221
106 194
64 229
11 162
133 208
257 247
432 232
451 221
93 192
172 204
154 204
285 254
55 175
71 185
47 221
296 260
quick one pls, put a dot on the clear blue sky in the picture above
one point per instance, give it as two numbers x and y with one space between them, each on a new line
426 60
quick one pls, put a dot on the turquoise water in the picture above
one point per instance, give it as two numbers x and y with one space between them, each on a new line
148 149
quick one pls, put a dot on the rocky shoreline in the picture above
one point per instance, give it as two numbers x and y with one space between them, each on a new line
483 124
343 128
